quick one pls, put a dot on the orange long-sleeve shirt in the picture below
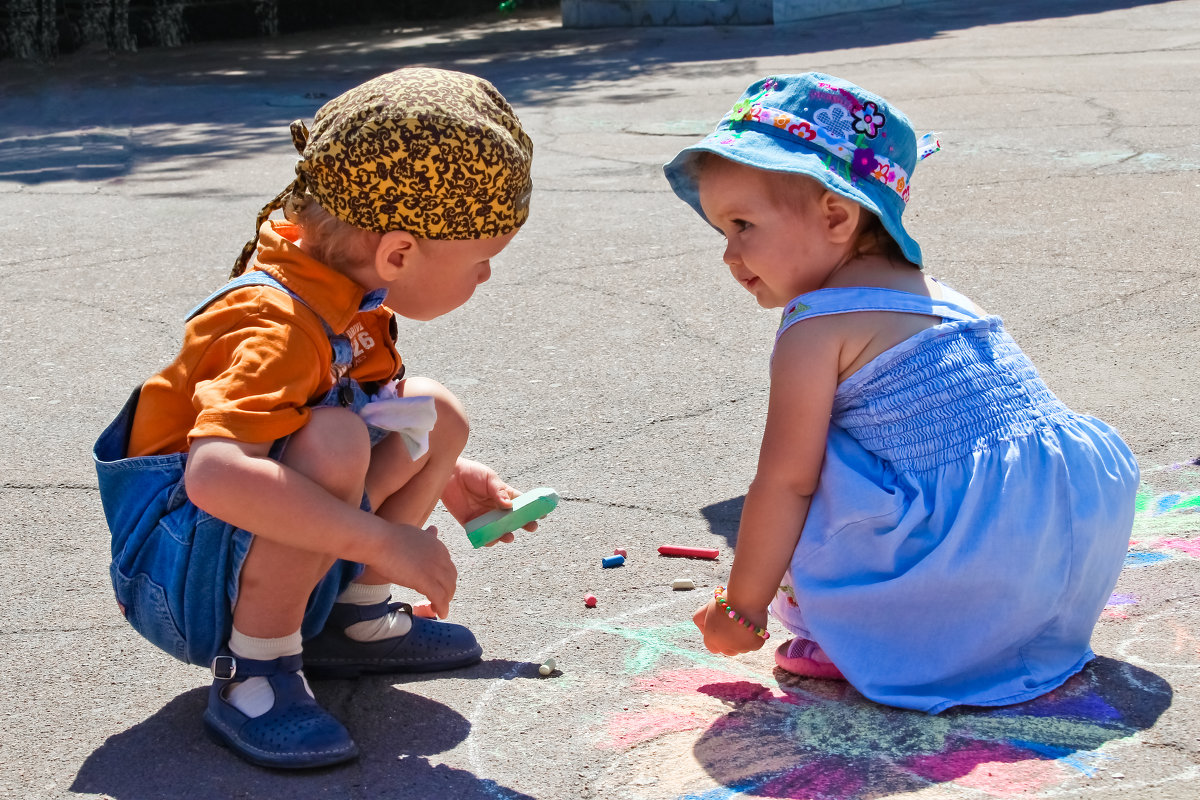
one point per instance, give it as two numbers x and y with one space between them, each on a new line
253 359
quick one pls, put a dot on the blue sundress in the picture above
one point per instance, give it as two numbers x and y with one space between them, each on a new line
968 528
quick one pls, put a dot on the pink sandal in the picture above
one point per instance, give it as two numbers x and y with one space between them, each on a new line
805 658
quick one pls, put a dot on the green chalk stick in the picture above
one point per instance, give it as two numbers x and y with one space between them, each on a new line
534 504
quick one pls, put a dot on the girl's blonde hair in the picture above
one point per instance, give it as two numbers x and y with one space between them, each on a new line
871 238
328 239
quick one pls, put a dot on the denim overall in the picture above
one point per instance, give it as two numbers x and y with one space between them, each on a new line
175 567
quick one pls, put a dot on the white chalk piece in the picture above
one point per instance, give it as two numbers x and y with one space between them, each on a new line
547 667
683 583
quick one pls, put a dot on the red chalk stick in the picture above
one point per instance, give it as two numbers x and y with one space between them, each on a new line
689 552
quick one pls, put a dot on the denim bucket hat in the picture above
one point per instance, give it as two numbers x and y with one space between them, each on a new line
852 141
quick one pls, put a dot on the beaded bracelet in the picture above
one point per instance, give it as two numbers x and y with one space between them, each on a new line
723 604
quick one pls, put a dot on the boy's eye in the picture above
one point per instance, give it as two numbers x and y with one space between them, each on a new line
740 224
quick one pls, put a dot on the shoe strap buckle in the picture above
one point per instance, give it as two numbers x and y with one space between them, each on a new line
224 668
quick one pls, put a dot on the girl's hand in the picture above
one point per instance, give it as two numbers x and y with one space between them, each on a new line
722 635
474 489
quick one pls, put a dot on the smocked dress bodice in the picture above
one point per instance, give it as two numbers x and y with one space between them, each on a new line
940 395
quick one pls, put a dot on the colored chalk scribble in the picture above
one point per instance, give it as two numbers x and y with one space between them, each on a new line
1166 523
1115 607
762 733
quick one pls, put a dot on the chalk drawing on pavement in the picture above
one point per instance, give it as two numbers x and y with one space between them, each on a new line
1166 522
666 720
681 724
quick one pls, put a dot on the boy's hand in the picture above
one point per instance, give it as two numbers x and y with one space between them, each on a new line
474 489
721 634
418 559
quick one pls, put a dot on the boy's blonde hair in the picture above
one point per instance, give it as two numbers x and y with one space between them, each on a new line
331 241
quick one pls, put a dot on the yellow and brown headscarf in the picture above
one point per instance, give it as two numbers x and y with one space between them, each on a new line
439 154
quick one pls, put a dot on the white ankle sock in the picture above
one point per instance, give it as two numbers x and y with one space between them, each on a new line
254 696
389 626
366 594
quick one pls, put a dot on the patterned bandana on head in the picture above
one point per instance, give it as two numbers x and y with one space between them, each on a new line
436 153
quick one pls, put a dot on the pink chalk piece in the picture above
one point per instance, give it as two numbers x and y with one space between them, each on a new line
424 610
620 551
590 601
689 552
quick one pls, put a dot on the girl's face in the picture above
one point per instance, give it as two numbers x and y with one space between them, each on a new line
776 243
439 276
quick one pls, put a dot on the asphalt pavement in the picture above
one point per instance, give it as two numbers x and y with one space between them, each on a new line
612 358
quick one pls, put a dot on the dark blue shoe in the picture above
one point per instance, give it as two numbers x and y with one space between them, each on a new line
430 646
295 734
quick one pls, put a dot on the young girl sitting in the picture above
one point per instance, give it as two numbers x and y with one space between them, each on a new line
962 528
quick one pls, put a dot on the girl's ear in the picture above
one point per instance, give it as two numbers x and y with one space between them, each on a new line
392 253
841 216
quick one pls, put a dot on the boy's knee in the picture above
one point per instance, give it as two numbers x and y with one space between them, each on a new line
450 432
333 449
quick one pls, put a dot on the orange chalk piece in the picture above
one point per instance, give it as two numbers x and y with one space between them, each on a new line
689 552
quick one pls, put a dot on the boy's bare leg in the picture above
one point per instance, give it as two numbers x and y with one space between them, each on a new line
333 450
363 634
404 490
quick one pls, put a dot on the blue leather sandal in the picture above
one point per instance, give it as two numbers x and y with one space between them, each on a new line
430 646
295 734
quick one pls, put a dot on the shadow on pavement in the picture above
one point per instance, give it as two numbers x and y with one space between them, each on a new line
169 754
725 517
823 739
95 118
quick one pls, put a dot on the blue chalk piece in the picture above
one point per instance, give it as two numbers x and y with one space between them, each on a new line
613 561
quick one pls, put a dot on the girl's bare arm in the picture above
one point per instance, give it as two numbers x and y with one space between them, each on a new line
803 381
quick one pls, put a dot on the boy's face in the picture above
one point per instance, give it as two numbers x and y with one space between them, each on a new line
439 276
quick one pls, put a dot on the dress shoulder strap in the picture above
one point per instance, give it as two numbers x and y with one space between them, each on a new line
951 307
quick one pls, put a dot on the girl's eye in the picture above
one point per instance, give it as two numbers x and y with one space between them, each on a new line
741 224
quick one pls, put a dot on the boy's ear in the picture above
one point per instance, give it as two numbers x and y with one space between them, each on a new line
392 253
841 216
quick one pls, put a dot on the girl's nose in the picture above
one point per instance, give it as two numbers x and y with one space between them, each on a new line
730 255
